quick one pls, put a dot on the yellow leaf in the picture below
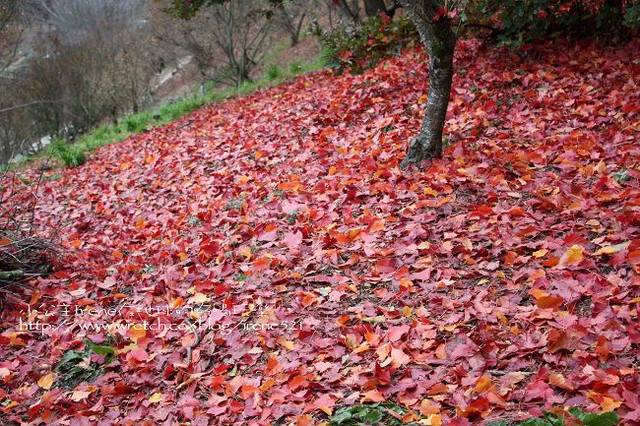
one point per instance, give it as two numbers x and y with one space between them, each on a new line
46 381
428 407
137 332
406 283
430 191
79 395
572 256
608 404
246 252
540 253
200 298
612 249
433 420
4 372
425 245
287 344
156 397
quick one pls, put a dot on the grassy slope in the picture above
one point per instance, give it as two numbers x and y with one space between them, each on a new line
74 154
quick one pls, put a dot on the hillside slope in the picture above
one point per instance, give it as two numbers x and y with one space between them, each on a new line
495 283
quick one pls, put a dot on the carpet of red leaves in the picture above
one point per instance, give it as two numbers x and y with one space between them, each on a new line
493 284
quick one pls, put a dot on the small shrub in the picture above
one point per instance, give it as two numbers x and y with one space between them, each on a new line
363 47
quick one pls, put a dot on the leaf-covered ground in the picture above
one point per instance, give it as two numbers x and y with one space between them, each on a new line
493 284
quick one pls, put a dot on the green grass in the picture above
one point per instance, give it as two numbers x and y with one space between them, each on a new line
75 154
70 155
274 72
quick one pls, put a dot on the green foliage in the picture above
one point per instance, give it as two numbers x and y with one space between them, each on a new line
70 154
554 419
368 414
361 48
632 16
621 176
592 419
76 366
295 68
136 123
522 21
274 72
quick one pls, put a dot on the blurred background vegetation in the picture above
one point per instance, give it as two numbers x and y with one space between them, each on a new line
78 74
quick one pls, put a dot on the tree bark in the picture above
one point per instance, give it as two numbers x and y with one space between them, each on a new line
374 7
439 39
349 11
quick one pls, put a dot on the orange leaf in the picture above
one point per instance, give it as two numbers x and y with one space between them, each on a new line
137 332
483 384
438 389
377 226
558 380
273 366
247 391
428 407
297 382
544 300
399 358
373 395
602 348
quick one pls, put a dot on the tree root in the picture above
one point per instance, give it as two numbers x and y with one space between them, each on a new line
417 152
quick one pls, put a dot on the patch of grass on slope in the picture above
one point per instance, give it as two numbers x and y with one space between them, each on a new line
74 154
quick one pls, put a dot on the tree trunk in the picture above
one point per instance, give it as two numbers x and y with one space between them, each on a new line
374 7
439 39
349 11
